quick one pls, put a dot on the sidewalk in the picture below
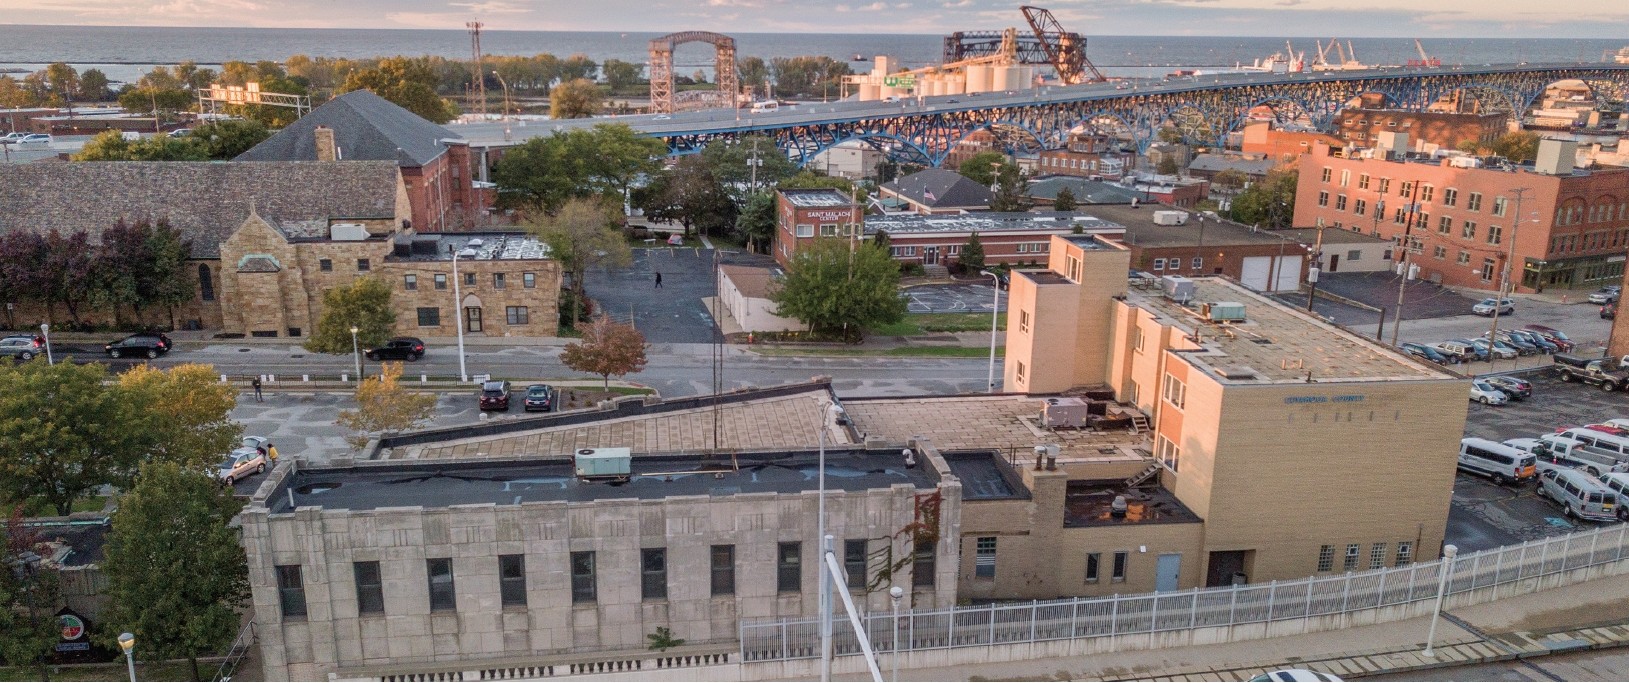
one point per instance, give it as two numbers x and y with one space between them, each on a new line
1583 616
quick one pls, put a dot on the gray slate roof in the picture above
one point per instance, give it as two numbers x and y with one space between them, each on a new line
367 127
949 189
1218 162
205 200
1085 191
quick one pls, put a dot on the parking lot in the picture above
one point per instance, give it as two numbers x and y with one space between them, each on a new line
953 298
1484 515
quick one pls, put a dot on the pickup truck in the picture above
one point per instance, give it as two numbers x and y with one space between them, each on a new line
1607 373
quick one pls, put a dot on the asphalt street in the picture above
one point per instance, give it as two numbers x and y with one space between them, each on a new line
1592 665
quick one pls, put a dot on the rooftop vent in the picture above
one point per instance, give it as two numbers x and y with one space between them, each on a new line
475 242
1238 372
1177 288
1223 311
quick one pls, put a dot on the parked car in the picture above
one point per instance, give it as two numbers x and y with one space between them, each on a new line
1544 345
1618 482
149 345
1609 311
1464 349
1488 306
1423 351
240 463
1499 350
1580 495
11 137
495 396
22 346
1606 373
1517 389
539 397
180 132
1487 394
34 138
1606 295
400 348
1553 335
1522 346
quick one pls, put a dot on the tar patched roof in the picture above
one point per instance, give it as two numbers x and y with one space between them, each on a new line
205 200
937 187
1086 191
366 127
1220 162
1142 231
755 283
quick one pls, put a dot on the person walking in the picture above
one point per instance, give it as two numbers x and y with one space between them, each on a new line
256 385
271 452
658 279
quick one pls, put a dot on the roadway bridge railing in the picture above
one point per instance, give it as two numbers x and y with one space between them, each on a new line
1008 632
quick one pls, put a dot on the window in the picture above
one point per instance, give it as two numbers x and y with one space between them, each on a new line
1463 258
805 230
291 591
1426 192
854 562
1363 181
1159 264
1323 198
1468 231
789 567
582 576
1120 557
1074 269
1450 196
923 568
1023 321
1351 557
1499 204
1019 371
653 573
1326 558
1439 251
723 570
984 559
518 315
206 284
1405 553
469 279
1198 262
905 251
828 229
441 280
1328 172
512 579
1422 219
1405 189
1137 338
1473 202
442 597
1384 186
362 265
1175 391
1346 176
325 265
410 282
1340 202
1377 556
429 316
528 280
1445 225
497 281
1360 207
370 588
1495 233
1399 216
1354 255
1487 270
1167 452
1093 560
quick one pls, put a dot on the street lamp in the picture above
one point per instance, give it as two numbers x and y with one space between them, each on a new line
127 641
1444 568
995 313
895 594
45 329
832 412
357 353
458 317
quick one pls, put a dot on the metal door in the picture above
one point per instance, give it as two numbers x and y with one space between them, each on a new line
930 255
1167 572
1255 271
1334 262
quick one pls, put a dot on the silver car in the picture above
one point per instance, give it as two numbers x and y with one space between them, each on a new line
1488 306
240 463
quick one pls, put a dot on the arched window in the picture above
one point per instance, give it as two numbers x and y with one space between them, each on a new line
206 284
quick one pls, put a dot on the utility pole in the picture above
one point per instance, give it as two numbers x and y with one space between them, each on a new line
1407 247
1504 277
754 162
1317 265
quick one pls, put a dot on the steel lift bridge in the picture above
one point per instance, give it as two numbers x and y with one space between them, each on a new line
1204 109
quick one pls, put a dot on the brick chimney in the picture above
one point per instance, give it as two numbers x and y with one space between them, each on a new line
326 150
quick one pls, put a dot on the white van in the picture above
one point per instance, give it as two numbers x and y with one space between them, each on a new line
1619 483
1601 437
761 107
1580 495
1497 461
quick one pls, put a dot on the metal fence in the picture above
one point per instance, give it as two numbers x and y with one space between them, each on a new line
1197 608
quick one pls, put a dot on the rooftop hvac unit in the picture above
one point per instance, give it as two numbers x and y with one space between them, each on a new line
1177 288
603 464
1066 411
1170 217
1223 311
348 232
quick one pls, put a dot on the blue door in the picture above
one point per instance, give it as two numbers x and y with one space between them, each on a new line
1167 572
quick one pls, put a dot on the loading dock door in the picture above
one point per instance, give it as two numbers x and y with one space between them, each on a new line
1256 271
1287 273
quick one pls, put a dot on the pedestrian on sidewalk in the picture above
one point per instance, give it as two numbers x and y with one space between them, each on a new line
256 385
658 279
271 452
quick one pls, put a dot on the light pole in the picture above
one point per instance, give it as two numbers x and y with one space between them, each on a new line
832 412
1445 568
506 133
458 314
895 594
45 329
127 641
1504 279
356 352
995 316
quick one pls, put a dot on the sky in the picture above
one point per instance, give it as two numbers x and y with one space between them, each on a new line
1344 18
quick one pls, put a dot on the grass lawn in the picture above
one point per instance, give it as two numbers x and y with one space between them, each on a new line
162 671
924 323
40 508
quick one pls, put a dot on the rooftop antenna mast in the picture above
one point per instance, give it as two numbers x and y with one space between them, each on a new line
479 87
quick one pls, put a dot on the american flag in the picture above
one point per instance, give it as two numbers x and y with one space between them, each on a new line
929 196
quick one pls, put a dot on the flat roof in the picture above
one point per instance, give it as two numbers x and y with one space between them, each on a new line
817 197
1007 422
444 484
1331 236
1142 231
1275 343
991 222
985 476
493 246
1091 503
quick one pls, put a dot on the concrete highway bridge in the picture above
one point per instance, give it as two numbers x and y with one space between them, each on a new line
1204 108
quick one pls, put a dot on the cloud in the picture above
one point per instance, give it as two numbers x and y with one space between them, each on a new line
959 3
1290 3
492 7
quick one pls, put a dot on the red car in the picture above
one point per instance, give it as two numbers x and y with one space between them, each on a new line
1553 335
495 396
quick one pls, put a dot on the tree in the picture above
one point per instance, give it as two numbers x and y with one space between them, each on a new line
224 140
620 74
1065 201
817 76
177 575
882 241
539 175
981 168
94 86
408 82
1269 203
971 258
112 146
833 285
186 413
383 405
66 433
731 163
28 623
578 98
147 100
577 66
64 81
1170 135
581 236
614 156
607 348
1009 192
1230 179
363 304
1167 166
754 74
808 179
1519 147
887 170
756 224
66 260
691 195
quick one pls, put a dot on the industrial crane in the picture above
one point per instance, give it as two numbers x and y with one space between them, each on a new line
1066 51
1425 60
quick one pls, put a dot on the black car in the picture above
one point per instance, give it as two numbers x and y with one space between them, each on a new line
149 345
22 346
1609 311
1516 389
495 396
1423 351
539 397
400 348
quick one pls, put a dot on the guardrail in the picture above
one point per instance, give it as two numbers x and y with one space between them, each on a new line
235 655
1193 609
